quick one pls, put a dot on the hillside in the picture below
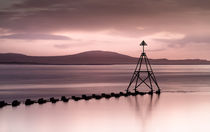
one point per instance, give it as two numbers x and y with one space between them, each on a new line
89 58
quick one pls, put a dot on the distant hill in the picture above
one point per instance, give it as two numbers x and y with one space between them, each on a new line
90 58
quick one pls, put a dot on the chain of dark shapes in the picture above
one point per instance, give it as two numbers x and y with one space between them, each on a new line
75 98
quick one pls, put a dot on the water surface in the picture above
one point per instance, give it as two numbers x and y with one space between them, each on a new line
169 112
35 81
183 105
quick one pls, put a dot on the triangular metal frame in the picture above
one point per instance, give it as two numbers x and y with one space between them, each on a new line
137 79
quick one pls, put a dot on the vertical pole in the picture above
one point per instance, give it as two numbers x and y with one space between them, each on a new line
137 81
153 75
148 71
134 75
142 57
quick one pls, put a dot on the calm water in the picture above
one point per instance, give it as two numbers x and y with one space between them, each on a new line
183 106
34 81
170 112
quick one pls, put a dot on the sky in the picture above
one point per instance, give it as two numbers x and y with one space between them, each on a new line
173 29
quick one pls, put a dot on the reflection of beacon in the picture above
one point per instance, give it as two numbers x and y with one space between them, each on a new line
139 74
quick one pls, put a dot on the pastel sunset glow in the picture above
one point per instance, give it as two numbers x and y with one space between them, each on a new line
173 29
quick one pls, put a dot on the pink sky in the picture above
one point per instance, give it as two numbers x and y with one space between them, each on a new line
173 29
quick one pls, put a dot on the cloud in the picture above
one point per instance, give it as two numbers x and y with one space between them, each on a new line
157 50
169 23
62 46
35 37
166 36
140 28
187 40
89 15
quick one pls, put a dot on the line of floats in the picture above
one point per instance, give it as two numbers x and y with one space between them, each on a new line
28 102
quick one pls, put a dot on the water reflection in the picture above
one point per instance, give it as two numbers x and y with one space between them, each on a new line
172 112
144 106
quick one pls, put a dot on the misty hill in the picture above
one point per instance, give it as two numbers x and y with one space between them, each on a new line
90 58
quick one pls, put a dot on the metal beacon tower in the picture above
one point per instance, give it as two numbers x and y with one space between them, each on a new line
143 75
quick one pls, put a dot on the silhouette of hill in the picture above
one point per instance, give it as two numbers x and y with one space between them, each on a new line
90 58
